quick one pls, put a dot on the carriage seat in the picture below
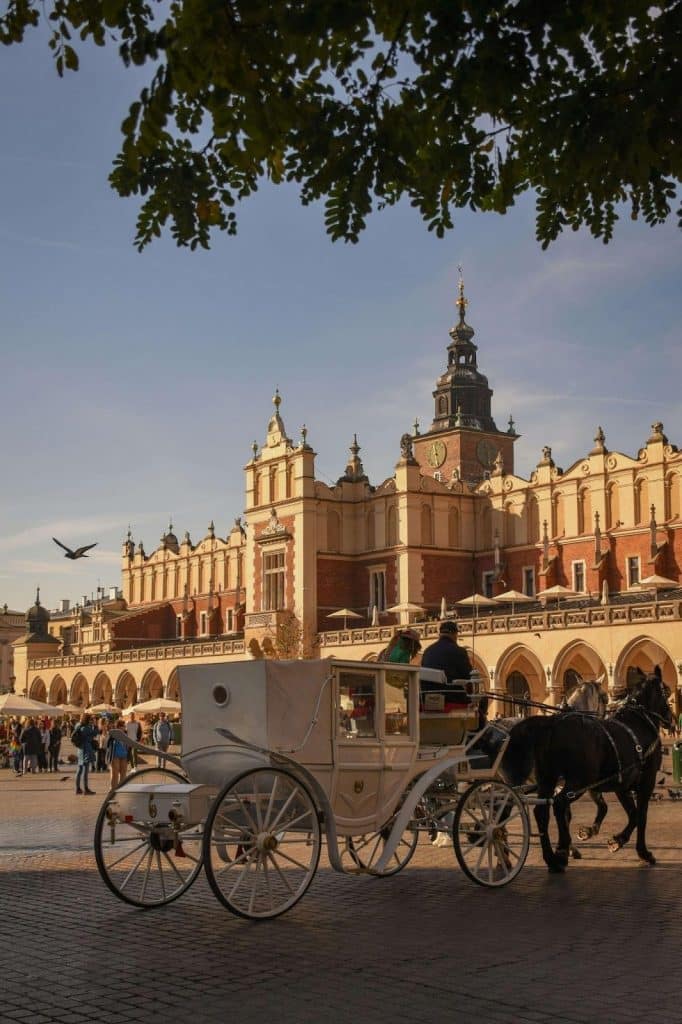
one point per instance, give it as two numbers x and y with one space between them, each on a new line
446 712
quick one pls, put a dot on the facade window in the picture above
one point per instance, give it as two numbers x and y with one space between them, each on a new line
488 579
533 521
229 621
641 501
178 625
529 581
633 570
273 485
273 581
371 534
392 529
203 623
377 589
579 577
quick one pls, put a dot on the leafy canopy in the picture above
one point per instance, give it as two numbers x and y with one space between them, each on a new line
452 103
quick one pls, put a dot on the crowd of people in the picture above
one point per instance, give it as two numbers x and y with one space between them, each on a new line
34 745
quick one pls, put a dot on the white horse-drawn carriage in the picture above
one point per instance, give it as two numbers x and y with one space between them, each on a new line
278 755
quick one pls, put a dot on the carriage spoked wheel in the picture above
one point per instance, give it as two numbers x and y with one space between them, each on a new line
491 833
145 862
365 851
262 843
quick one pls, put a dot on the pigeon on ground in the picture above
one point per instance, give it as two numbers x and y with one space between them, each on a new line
675 794
78 553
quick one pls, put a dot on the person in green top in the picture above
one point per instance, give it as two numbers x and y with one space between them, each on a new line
403 647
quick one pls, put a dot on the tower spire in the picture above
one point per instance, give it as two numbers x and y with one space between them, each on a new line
461 302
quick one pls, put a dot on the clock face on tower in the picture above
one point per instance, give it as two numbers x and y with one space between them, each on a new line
486 452
435 456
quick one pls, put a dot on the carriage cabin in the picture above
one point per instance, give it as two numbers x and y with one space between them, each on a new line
363 730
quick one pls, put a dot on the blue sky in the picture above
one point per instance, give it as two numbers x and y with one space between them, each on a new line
134 384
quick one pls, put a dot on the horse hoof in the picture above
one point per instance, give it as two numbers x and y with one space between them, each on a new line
614 846
561 857
555 868
585 833
576 854
649 861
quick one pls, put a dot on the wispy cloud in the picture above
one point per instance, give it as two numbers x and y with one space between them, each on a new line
76 530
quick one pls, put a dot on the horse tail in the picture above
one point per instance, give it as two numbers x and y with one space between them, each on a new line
518 761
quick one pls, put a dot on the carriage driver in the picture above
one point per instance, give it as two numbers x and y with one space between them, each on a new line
447 655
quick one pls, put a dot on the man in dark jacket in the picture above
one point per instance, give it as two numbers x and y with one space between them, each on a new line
32 742
447 655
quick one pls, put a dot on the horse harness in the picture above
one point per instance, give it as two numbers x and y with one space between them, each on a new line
642 755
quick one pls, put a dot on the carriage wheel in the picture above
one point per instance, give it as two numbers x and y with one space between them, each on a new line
366 850
145 862
262 843
491 833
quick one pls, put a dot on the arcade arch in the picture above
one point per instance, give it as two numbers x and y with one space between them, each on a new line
519 674
102 689
80 691
59 693
575 662
643 653
125 692
38 690
151 685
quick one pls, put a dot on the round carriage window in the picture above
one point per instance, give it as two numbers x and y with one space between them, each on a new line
221 695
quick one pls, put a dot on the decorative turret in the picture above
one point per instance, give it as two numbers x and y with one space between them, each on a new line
355 472
276 430
37 619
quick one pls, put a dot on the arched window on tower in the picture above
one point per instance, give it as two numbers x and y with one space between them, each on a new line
453 528
371 532
584 511
672 496
509 531
256 488
333 530
532 520
290 480
427 524
641 501
442 406
392 526
273 484
557 515
612 506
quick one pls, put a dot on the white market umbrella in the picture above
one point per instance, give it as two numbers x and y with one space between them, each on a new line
476 601
16 704
443 608
102 708
344 613
656 583
71 709
513 597
156 704
557 591
605 593
406 608
375 616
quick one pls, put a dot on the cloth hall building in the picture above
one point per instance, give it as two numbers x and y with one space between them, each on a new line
450 520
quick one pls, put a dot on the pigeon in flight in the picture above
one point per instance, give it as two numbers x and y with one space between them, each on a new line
78 553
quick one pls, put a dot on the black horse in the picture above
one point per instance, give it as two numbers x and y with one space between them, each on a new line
619 754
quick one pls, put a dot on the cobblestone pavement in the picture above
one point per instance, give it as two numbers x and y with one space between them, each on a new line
598 944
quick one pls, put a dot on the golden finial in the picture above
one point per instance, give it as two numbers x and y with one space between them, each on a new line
277 399
461 302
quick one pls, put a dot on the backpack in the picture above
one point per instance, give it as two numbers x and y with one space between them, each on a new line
77 738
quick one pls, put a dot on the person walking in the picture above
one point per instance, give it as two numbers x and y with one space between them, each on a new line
117 756
162 734
43 755
134 730
82 737
55 746
102 741
32 742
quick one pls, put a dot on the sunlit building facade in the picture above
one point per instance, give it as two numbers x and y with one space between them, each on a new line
451 519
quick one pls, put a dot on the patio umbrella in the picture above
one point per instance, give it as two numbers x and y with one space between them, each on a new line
97 709
406 608
476 601
149 707
557 591
375 616
655 583
605 592
16 704
71 709
344 613
443 608
513 597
